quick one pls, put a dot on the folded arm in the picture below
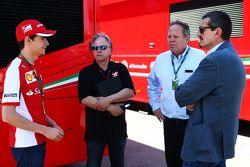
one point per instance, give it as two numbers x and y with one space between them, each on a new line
94 103
198 85
121 96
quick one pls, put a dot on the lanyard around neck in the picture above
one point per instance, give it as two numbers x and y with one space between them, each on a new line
105 74
176 71
38 78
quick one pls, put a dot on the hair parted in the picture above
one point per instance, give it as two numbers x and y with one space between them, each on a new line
185 26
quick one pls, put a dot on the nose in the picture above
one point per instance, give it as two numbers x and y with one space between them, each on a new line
171 39
46 42
99 50
198 34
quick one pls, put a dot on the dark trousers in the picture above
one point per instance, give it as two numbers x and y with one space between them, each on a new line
29 156
95 152
204 164
174 130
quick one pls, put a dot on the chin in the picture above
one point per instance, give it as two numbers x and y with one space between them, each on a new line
201 45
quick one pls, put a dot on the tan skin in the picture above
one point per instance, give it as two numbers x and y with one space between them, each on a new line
31 51
209 38
105 103
177 43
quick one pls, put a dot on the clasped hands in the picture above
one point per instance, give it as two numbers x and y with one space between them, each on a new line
104 104
190 107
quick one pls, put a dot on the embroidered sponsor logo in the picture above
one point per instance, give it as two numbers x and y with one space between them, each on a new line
39 25
10 95
29 77
37 91
26 28
29 93
115 74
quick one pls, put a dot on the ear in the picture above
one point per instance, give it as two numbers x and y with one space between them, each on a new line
218 32
26 41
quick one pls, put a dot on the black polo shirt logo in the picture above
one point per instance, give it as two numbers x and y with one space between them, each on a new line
115 74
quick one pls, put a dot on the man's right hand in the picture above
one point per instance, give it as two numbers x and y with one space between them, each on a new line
115 110
53 134
159 115
103 103
190 107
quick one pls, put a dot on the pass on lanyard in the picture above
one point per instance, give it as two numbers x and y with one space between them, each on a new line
175 81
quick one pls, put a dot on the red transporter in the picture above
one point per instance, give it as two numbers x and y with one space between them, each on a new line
139 32
138 29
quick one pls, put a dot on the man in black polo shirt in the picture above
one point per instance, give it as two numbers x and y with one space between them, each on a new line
103 87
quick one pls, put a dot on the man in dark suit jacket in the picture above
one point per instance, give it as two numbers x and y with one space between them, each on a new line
213 95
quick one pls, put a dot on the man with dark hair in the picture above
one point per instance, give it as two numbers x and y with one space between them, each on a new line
171 68
213 95
23 104
222 20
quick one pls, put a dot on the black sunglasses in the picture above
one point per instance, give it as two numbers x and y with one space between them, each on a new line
102 47
202 29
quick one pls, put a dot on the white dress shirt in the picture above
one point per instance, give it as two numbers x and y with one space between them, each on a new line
160 79
214 48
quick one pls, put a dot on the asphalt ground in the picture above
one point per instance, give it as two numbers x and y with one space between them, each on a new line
145 145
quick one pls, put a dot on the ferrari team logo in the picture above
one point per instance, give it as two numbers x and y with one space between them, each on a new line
26 28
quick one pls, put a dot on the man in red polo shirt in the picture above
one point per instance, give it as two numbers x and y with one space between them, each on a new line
22 100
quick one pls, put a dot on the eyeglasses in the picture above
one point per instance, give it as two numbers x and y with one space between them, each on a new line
102 47
202 29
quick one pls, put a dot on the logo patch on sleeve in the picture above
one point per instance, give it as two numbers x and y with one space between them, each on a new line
10 95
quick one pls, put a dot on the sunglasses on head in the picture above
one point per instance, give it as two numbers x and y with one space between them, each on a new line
202 29
102 47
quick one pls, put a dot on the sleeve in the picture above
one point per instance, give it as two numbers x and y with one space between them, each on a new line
154 90
11 88
126 78
201 83
84 85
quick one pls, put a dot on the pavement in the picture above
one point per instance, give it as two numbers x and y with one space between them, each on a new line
145 145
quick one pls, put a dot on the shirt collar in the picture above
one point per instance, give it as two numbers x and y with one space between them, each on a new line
214 48
181 55
97 66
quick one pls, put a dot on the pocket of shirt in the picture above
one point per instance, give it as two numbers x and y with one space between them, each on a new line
189 71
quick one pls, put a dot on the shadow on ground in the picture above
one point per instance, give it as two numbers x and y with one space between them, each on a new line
136 155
